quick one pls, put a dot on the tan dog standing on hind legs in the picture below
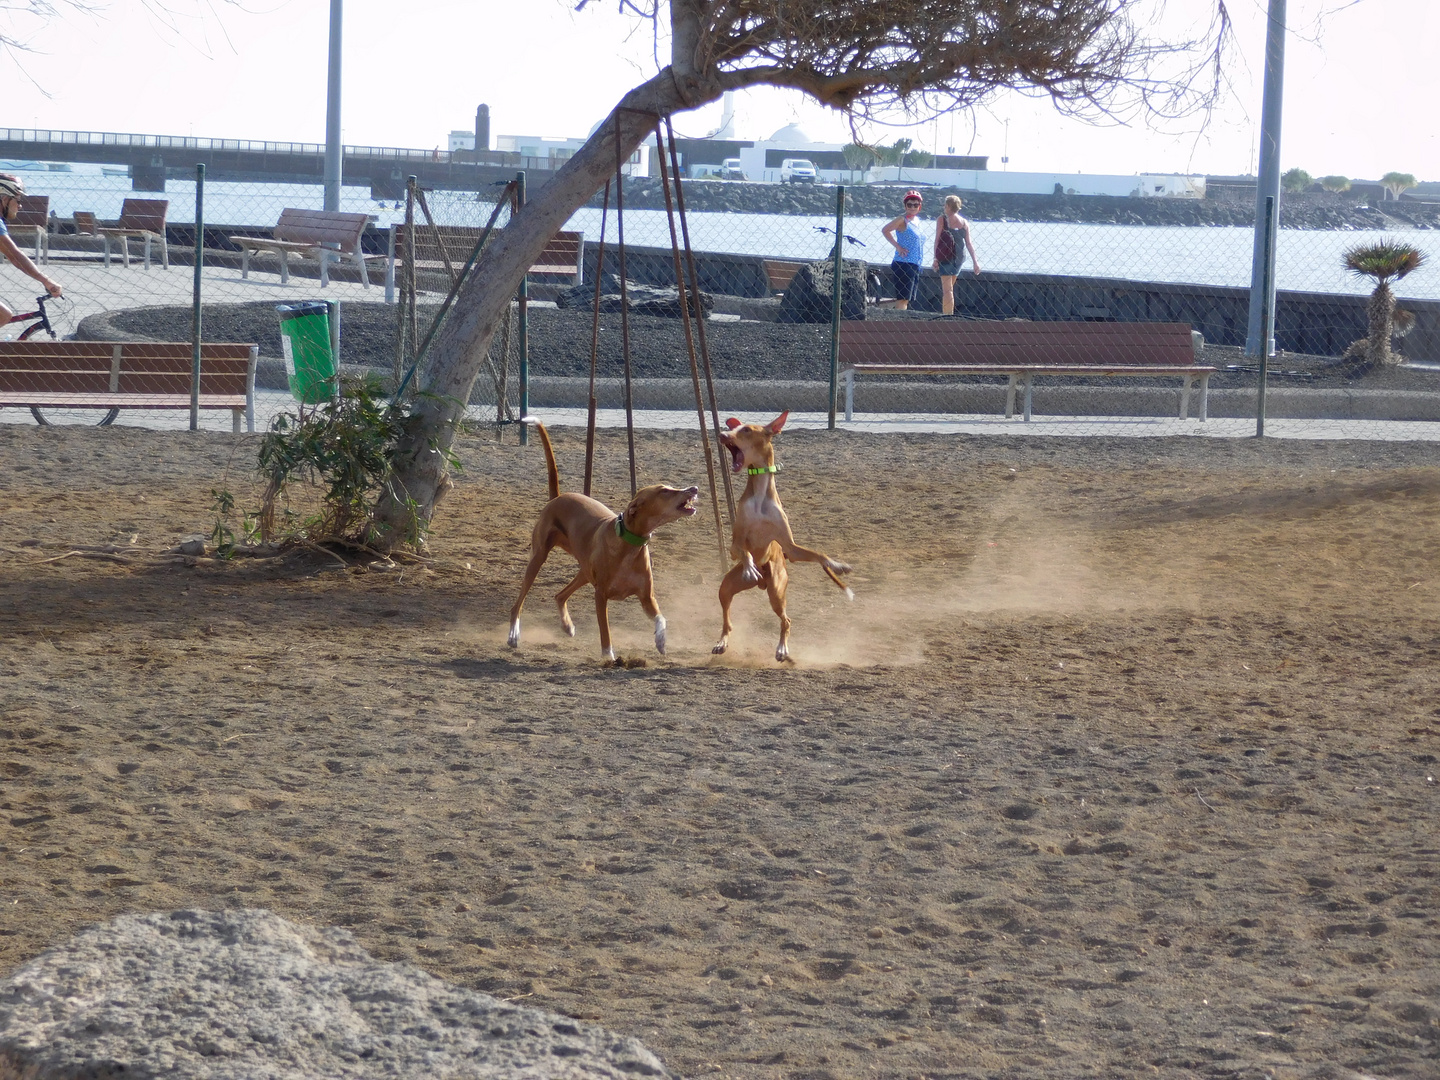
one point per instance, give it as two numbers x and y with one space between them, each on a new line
761 540
612 549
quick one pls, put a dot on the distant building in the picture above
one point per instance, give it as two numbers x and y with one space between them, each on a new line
552 153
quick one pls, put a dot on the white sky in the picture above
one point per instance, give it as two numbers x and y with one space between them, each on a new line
1361 77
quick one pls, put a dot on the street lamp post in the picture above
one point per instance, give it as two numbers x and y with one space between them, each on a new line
1258 341
332 113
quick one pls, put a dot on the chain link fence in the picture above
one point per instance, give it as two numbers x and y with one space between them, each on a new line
1127 323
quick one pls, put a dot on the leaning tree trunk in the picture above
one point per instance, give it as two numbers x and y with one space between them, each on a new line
420 476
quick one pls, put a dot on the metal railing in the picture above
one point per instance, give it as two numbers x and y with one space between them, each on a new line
39 136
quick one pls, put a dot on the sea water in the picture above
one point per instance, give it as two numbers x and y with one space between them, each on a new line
1306 260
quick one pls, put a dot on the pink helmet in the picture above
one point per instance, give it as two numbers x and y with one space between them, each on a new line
913 194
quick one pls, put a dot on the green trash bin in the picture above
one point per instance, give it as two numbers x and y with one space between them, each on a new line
309 361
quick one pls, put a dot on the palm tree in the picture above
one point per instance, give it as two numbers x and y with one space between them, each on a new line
858 157
1335 184
1396 182
1382 260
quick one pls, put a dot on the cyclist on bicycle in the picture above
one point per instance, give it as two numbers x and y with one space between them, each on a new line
10 191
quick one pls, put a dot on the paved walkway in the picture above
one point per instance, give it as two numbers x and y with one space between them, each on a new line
270 403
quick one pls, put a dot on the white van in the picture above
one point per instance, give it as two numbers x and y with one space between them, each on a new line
730 169
797 171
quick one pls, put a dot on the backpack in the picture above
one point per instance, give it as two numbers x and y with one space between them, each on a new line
945 246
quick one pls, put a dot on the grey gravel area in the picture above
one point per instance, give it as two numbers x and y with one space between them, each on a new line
559 345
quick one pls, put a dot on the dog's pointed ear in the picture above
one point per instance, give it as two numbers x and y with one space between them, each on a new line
732 423
779 422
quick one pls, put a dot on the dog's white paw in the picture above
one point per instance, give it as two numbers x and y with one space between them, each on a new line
569 628
660 634
782 653
608 655
514 638
839 567
849 594
721 646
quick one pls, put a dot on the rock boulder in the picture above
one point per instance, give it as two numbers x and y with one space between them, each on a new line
244 994
809 296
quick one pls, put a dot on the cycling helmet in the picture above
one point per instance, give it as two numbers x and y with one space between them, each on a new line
912 194
11 187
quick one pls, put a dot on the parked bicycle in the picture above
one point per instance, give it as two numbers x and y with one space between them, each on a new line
39 320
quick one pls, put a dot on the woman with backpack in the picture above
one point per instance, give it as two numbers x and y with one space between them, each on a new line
951 230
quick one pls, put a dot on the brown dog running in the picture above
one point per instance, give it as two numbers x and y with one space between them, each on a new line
761 539
612 549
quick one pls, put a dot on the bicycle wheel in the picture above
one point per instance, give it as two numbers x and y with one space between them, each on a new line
56 417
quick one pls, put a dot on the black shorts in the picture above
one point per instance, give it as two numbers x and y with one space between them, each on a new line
907 279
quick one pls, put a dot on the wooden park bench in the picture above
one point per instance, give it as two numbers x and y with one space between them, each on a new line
779 273
142 219
1022 350
564 255
319 234
127 375
33 219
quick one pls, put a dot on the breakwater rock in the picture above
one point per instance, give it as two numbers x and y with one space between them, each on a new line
1309 211
243 993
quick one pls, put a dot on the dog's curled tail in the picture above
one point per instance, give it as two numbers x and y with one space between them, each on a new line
549 458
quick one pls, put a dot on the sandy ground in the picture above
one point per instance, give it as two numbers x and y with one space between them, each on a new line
1122 763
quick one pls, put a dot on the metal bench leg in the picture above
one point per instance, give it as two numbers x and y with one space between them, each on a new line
284 268
1185 398
324 269
849 394
244 264
147 253
1010 398
165 250
364 273
106 239
1029 382
250 388
1204 397
235 415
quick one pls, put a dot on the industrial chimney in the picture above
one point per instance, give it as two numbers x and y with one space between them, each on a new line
482 130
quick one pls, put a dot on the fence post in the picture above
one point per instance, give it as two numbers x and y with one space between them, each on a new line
835 299
524 326
405 309
1267 314
195 317
334 306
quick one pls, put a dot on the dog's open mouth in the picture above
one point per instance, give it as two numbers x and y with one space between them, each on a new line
737 457
692 502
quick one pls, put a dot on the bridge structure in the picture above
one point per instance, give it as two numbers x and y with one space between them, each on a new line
150 159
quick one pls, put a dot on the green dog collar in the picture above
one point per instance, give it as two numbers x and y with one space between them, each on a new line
763 470
633 539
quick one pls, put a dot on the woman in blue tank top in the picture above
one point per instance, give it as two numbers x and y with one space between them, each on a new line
909 248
